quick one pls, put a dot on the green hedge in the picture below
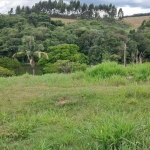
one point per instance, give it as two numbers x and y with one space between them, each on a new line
4 72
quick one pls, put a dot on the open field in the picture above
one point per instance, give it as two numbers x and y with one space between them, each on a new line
135 22
64 20
69 112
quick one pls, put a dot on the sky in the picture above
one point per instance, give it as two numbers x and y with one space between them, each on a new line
129 7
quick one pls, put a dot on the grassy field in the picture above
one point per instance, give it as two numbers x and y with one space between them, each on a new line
135 22
64 20
72 112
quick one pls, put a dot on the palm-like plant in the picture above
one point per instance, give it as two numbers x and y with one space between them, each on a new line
31 49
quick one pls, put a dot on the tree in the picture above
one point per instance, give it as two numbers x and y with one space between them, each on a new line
120 13
64 58
133 51
84 7
95 55
31 49
66 52
91 9
18 9
113 11
78 5
27 10
10 12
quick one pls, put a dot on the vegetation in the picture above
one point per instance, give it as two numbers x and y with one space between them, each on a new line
74 111
31 33
11 64
135 22
4 72
86 98
72 10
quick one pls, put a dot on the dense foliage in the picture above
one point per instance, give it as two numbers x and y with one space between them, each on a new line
84 42
73 9
4 72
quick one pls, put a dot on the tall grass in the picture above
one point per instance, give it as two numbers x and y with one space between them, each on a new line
106 70
140 72
72 112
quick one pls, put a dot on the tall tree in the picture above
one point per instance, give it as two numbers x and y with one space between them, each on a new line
91 8
27 10
11 11
120 13
84 7
31 49
78 5
18 9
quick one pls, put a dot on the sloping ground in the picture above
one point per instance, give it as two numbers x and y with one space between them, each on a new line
135 22
64 20
67 112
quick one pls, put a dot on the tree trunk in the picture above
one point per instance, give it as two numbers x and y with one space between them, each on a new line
32 63
133 57
125 51
33 71
140 59
137 58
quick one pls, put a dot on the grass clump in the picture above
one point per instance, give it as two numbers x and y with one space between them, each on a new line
114 133
106 70
117 80
140 72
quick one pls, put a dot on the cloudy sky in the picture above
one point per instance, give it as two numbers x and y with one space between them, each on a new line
129 6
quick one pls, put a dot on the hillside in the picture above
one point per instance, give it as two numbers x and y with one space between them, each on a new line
64 20
64 112
135 22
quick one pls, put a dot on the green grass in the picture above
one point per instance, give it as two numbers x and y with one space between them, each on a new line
71 112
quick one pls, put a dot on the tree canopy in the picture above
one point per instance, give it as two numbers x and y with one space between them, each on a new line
85 41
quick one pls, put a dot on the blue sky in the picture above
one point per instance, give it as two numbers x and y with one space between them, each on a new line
129 6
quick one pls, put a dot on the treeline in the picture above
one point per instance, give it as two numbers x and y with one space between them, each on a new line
72 10
72 46
139 15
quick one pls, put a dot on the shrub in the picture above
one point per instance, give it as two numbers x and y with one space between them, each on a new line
64 66
11 64
114 134
4 72
140 72
106 70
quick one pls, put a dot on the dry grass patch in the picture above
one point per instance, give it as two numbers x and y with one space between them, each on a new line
135 22
64 20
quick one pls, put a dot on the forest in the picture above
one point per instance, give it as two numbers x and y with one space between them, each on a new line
30 35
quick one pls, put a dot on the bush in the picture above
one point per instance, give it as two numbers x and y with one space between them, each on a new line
11 64
106 70
117 80
4 72
64 66
140 72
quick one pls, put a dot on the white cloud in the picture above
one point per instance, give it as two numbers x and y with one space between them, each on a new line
5 5
134 10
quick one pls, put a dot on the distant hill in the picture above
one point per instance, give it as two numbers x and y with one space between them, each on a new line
135 22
